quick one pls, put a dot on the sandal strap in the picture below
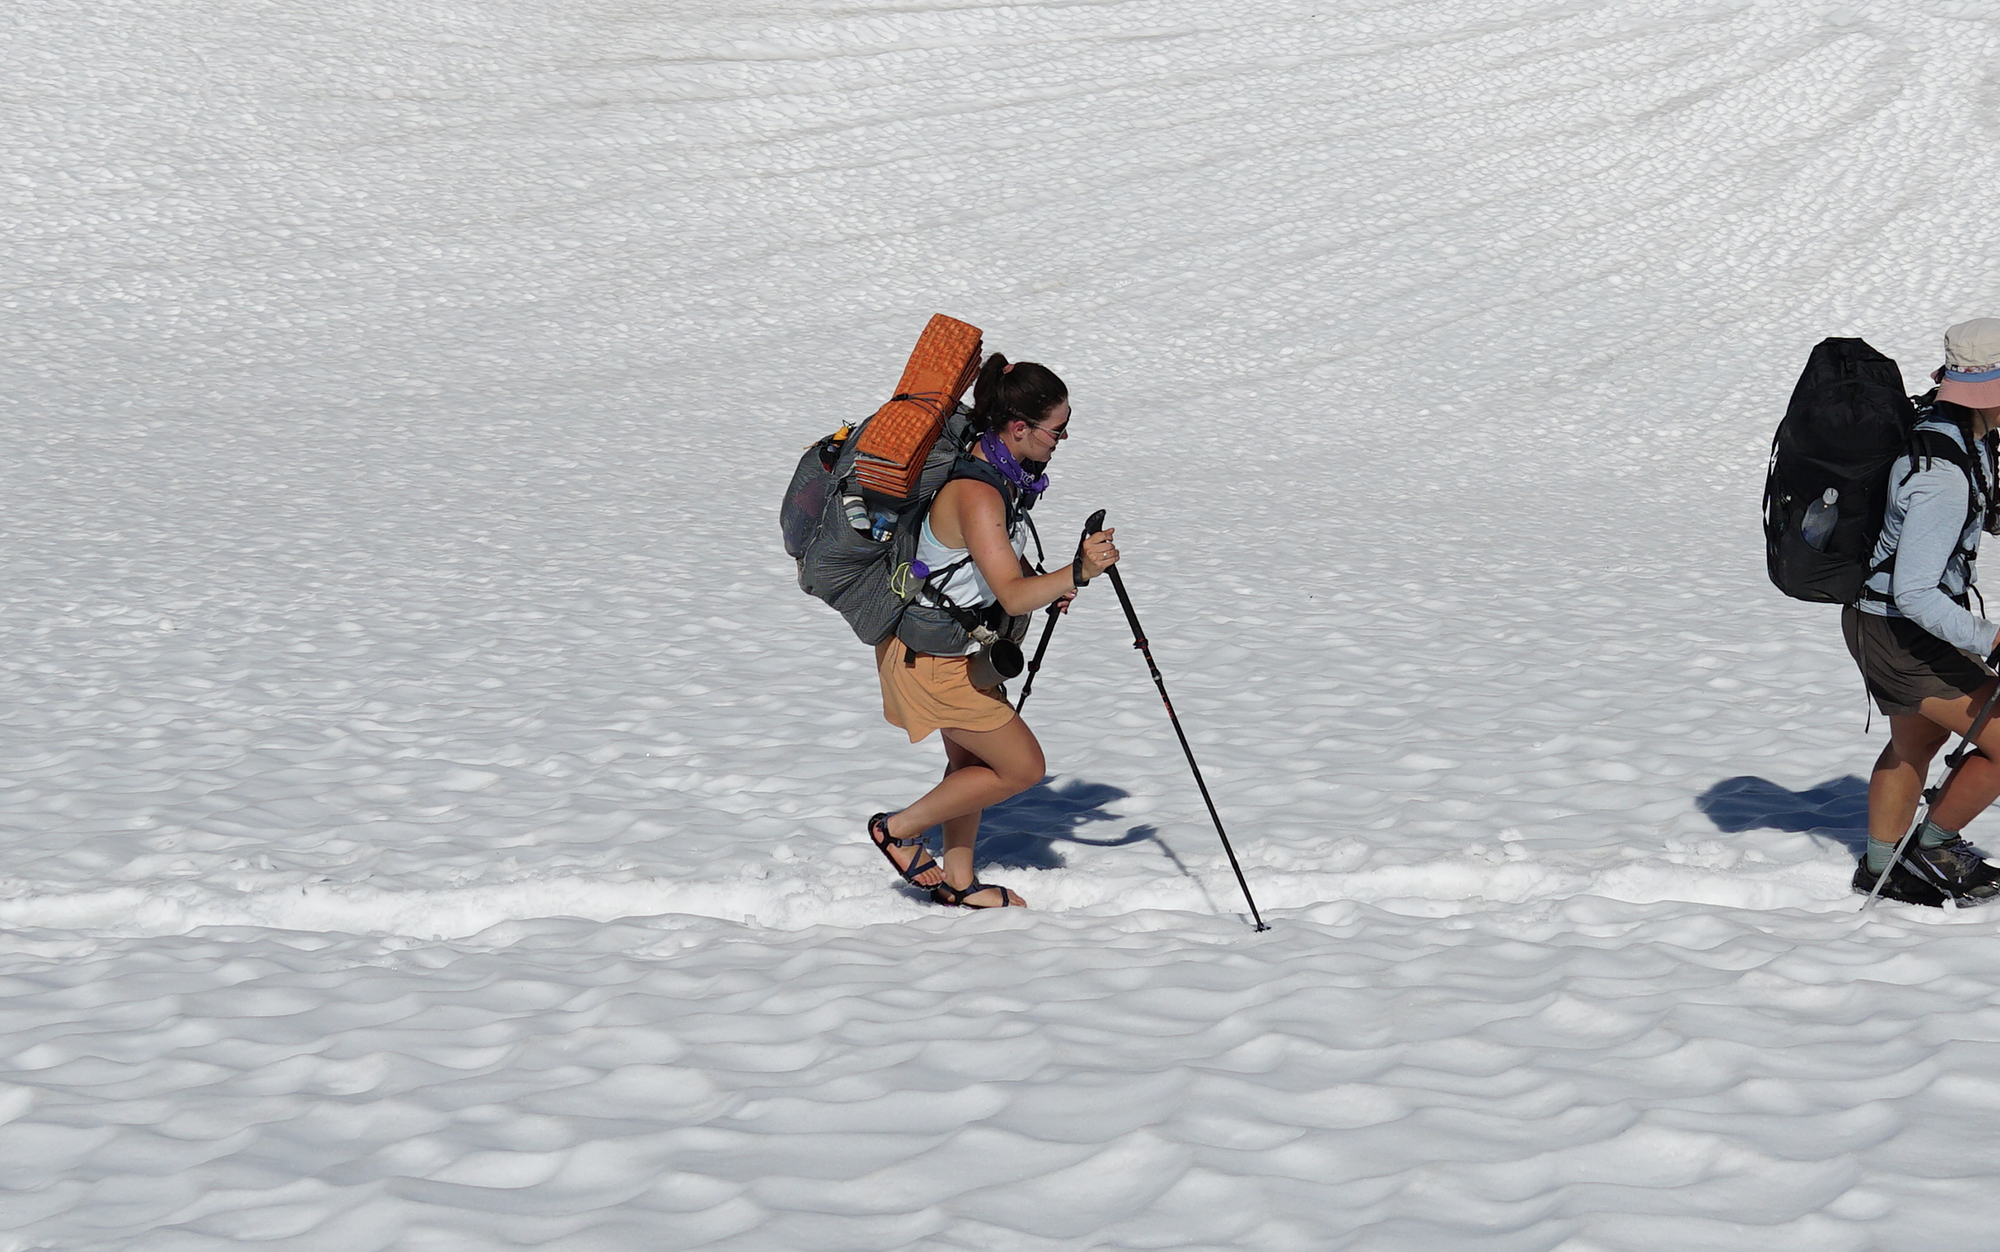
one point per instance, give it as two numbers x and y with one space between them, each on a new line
960 895
890 840
920 864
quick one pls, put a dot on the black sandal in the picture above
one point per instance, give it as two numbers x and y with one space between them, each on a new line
945 893
920 864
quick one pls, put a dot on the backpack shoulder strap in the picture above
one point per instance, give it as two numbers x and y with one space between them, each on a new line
1936 445
981 471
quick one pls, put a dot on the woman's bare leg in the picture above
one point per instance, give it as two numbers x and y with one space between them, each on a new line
1897 783
1978 781
1002 763
982 768
961 833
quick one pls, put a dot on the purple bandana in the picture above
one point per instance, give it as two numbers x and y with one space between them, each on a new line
1009 468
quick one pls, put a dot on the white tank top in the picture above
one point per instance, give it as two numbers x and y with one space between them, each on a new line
965 586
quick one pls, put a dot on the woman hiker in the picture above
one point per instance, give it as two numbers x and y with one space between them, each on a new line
1916 639
974 541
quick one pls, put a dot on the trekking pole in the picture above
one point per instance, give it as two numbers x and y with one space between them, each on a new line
1091 527
1139 642
1953 763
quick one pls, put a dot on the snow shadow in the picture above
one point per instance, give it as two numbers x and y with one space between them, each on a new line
1837 808
1023 832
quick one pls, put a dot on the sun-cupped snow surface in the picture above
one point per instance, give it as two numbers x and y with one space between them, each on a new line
433 817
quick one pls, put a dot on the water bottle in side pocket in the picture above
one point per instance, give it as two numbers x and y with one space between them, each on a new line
1818 526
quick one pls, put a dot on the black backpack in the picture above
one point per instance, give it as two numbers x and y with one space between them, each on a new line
1847 423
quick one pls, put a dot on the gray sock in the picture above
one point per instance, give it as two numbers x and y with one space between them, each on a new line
1930 834
1879 855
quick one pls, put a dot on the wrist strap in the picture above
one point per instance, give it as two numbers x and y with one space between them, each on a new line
1076 572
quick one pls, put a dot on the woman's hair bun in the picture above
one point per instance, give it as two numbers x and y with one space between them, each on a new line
1008 391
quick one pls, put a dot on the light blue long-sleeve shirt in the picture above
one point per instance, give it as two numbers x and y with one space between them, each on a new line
1925 525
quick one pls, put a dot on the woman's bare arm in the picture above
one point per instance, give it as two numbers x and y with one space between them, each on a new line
981 518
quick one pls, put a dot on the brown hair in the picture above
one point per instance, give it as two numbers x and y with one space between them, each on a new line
1022 391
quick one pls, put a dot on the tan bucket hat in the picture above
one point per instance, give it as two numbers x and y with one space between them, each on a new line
1971 373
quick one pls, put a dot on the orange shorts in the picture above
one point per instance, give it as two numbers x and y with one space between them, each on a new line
935 693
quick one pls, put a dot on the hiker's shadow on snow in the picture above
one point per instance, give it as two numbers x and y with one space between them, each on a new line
1024 832
1836 809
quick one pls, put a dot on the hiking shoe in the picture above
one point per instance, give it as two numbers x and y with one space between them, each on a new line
1903 886
1957 868
1953 870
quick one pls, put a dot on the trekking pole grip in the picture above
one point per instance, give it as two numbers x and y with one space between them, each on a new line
1091 525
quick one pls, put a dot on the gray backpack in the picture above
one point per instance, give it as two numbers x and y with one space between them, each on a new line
854 547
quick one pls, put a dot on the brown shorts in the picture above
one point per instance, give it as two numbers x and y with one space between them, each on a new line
935 693
1904 664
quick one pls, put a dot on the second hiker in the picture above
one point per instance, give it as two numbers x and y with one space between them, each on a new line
1915 637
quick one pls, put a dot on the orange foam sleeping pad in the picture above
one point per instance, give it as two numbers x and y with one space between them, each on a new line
890 456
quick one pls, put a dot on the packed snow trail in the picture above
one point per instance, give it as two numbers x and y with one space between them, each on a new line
434 817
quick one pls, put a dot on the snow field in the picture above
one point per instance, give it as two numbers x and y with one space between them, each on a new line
434 819
1594 1075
